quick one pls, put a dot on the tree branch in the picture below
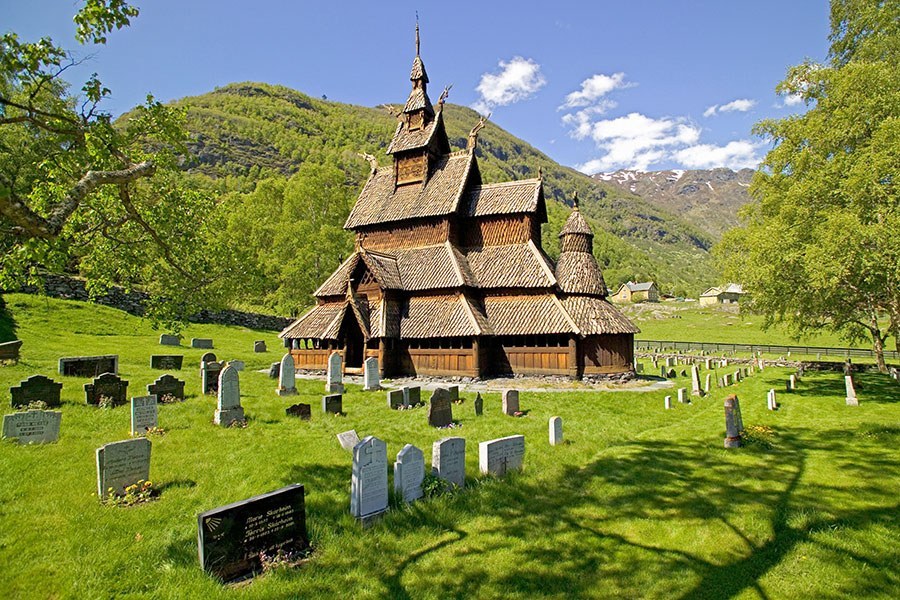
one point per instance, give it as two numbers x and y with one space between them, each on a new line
130 209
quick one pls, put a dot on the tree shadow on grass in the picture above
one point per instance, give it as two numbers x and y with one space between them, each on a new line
876 388
7 323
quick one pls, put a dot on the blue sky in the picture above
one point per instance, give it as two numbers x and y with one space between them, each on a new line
602 85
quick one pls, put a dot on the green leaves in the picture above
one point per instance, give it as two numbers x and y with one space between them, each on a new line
100 17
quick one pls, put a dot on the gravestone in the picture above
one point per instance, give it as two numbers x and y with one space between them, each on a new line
109 385
229 409
695 381
369 482
638 367
36 388
208 357
682 395
732 430
412 395
498 457
205 343
792 383
166 362
668 402
479 405
770 399
371 376
121 464
144 414
663 371
259 346
348 439
169 340
237 364
209 376
737 376
167 389
683 373
669 362
510 402
708 383
334 375
274 370
32 426
287 377
454 392
448 460
440 410
231 538
89 366
395 399
852 400
332 403
708 364
671 374
556 432
304 411
409 473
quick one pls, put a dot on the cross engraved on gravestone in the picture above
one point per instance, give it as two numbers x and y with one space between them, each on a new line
166 362
440 410
348 439
556 431
231 538
143 414
121 464
510 402
395 399
368 486
498 457
448 460
167 389
32 426
409 473
332 403
229 409
36 388
334 374
108 386
304 411
371 375
479 405
287 377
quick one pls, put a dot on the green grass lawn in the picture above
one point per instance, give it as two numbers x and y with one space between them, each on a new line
640 502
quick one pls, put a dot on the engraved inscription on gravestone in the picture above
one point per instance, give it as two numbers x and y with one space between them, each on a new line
121 464
448 460
108 386
167 389
409 472
32 426
348 439
36 388
287 382
231 538
205 343
143 414
497 457
369 483
166 362
229 407
334 375
88 366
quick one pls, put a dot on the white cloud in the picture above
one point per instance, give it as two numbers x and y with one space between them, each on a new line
737 154
581 122
594 88
517 80
739 105
793 99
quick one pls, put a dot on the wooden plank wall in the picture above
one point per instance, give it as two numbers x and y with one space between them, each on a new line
311 360
421 234
435 361
608 353
496 231
552 360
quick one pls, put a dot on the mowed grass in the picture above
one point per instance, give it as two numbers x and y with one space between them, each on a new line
640 502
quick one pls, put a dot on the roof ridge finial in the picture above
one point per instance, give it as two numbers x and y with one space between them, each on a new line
417 33
575 200
473 135
444 95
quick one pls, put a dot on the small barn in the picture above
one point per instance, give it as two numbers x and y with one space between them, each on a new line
448 276
636 292
731 293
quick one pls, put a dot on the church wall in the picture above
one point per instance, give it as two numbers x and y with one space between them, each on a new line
497 231
607 353
404 235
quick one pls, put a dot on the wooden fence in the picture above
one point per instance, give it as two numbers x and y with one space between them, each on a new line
649 345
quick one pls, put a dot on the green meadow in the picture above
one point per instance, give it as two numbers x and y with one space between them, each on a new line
639 501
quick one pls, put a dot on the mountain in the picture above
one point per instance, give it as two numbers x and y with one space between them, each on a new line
244 133
708 198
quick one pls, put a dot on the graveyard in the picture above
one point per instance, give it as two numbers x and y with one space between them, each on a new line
631 499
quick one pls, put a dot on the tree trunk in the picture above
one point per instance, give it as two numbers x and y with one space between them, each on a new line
878 345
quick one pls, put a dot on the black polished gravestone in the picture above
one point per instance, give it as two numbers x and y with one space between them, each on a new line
108 385
89 366
166 362
304 411
230 538
167 389
36 388
440 412
333 403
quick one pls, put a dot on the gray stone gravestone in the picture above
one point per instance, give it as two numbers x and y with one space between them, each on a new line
348 439
89 366
287 377
334 375
707 384
144 414
409 473
259 346
231 538
668 402
274 370
395 399
209 376
204 343
169 340
369 483
556 431
498 457
304 411
371 375
695 381
663 371
852 400
237 364
32 426
36 388
412 395
229 409
121 464
732 431
332 403
510 402
454 392
109 386
448 460
440 410
166 362
479 405
167 389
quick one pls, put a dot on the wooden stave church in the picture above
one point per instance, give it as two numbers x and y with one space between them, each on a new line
449 278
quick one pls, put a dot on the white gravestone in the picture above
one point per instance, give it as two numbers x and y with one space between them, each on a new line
695 381
369 483
792 383
287 380
682 395
348 439
448 460
510 402
229 407
121 464
143 414
852 400
497 457
372 378
556 432
334 376
409 473
668 402
708 383
32 426
773 404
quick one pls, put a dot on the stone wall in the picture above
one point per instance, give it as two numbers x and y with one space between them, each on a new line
71 288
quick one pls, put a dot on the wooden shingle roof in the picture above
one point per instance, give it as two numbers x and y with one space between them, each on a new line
322 321
516 265
382 202
336 284
527 315
579 273
576 224
503 198
437 316
595 316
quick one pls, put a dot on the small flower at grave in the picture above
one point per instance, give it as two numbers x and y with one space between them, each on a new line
155 431
106 402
